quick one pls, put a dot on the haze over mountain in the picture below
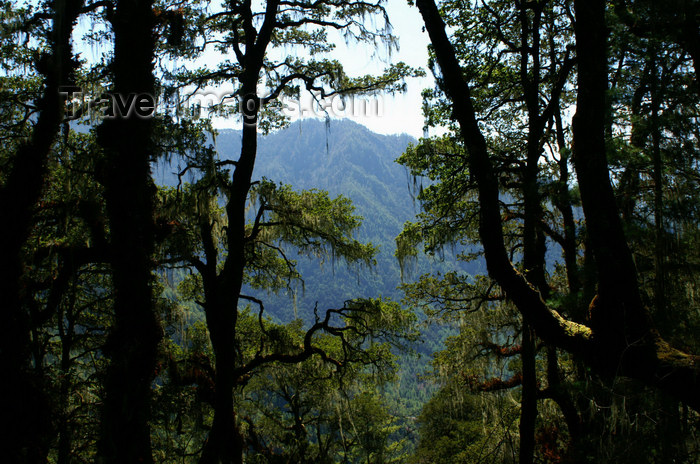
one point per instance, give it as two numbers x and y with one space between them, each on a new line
344 158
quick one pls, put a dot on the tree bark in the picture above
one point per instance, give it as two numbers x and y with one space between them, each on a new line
534 248
26 432
528 403
129 191
563 203
620 339
617 282
225 443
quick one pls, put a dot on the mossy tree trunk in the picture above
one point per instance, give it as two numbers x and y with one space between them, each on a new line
132 344
26 431
620 339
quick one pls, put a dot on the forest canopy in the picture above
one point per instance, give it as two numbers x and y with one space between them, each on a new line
145 322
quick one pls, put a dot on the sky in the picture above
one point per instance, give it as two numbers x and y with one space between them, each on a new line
401 113
384 114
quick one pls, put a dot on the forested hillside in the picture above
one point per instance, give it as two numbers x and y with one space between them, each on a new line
342 158
175 294
345 158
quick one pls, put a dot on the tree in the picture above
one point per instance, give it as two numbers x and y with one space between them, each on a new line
483 41
314 412
313 224
617 313
453 430
127 141
249 34
26 408
518 56
71 261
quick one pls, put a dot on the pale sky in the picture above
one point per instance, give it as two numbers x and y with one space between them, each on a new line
398 114
401 113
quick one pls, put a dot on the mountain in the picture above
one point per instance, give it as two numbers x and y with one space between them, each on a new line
342 157
345 158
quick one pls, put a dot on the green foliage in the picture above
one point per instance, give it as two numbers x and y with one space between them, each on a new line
453 430
310 222
517 60
336 381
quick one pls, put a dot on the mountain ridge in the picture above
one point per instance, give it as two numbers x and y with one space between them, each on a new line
343 158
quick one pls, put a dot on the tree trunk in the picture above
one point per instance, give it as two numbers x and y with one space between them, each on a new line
563 203
26 432
65 432
528 403
617 274
224 443
620 339
129 191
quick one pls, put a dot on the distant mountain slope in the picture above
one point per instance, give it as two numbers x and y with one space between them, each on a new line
342 158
